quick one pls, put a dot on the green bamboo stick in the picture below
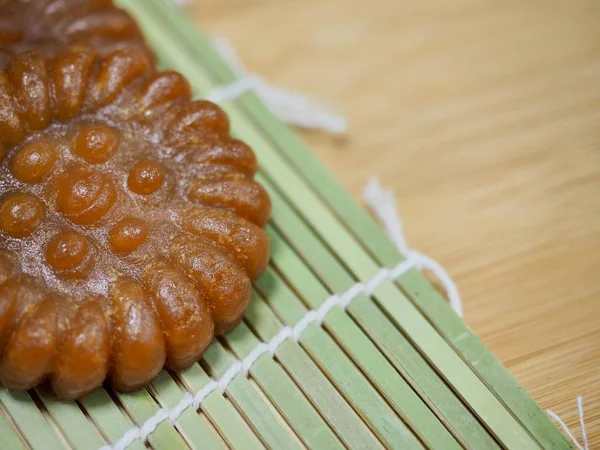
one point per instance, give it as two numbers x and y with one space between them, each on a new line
29 420
107 416
10 439
249 402
190 424
404 357
361 224
222 414
473 391
141 406
283 393
75 427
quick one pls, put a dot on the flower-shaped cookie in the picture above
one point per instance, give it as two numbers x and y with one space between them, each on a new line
130 223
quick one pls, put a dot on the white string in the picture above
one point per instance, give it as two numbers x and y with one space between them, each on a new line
566 429
383 204
316 316
289 107
581 421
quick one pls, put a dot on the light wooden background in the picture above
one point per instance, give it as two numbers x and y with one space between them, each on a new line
484 116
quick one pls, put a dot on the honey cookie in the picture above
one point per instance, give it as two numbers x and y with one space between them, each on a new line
130 223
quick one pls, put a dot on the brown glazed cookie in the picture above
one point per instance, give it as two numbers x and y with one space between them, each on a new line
130 223
50 25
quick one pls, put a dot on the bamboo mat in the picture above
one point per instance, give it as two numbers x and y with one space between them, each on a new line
397 369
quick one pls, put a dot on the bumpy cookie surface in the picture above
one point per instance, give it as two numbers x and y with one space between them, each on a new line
130 223
50 25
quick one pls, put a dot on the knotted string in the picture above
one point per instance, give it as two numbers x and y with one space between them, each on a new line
288 106
383 204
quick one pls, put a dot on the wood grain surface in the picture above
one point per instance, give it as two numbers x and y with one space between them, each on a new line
484 116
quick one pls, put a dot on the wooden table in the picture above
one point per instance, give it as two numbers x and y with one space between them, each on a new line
485 119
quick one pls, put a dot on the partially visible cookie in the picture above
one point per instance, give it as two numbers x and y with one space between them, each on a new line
50 25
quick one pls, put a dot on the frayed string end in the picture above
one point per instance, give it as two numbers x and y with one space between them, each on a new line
566 429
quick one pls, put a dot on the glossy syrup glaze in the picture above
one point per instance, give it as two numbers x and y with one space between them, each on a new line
130 223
